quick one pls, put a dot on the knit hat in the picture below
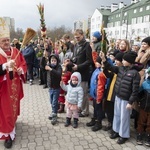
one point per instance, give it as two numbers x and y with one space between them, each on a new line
99 60
114 52
97 34
130 56
137 44
147 40
119 56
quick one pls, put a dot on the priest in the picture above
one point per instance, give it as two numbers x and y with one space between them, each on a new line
12 76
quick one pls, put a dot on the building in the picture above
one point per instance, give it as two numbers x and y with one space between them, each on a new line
99 17
10 22
82 24
130 22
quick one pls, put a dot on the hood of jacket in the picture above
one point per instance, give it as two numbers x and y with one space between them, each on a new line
56 56
78 75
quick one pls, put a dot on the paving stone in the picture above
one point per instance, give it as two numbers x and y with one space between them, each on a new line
35 132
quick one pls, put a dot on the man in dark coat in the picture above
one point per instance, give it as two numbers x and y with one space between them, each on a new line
82 60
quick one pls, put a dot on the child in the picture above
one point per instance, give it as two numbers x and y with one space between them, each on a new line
54 72
74 98
97 87
126 90
95 45
66 74
110 94
144 114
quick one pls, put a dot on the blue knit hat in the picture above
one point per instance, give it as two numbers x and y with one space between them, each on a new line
97 34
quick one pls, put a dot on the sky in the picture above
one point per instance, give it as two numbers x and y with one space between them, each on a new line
57 12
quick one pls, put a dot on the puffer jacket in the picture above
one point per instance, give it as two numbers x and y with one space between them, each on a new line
127 82
74 94
54 76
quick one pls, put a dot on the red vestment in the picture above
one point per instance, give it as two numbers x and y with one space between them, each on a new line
11 92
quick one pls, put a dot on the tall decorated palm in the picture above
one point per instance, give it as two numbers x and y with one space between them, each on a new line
104 42
43 25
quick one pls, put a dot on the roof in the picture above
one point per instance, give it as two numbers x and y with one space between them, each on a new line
105 12
131 6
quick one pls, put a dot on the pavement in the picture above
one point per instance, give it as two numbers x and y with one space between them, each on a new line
35 132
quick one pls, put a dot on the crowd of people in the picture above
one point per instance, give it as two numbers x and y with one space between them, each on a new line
117 82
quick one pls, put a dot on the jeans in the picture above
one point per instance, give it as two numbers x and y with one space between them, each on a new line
54 94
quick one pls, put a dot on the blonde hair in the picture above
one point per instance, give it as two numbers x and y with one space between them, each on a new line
128 47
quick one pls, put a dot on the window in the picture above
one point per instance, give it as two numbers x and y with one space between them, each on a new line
98 18
125 13
141 9
139 31
134 11
117 23
148 7
93 19
133 20
139 20
146 18
116 32
124 32
112 24
133 31
146 30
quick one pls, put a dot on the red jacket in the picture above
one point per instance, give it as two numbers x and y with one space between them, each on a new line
101 86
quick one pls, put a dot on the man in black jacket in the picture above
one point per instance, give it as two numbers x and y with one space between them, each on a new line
82 59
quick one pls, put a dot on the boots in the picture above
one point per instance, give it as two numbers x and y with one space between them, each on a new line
147 142
8 143
61 108
54 119
139 139
91 123
75 123
97 126
68 122
108 127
